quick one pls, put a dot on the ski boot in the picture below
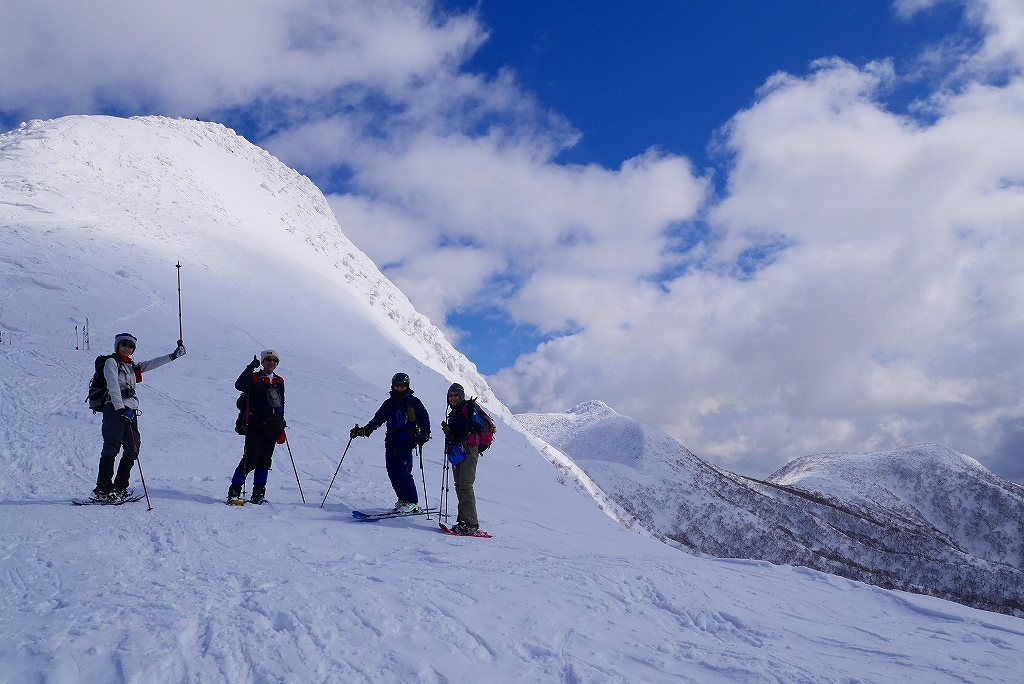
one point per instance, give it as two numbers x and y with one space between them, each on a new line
102 496
235 496
258 495
120 495
464 529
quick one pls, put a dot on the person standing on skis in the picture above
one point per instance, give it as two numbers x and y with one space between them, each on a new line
461 448
263 422
120 427
408 426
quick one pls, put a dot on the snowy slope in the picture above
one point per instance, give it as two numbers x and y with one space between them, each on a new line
927 485
925 519
94 212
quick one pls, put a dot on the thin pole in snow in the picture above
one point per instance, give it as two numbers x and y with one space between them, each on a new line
180 336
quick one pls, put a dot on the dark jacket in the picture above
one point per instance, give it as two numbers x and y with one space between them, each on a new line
394 411
458 427
257 387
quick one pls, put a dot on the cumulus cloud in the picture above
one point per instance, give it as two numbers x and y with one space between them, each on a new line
188 57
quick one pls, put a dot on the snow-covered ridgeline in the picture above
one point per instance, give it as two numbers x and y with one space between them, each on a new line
193 174
923 519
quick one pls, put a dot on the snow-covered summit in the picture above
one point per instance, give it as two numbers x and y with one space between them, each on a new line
923 518
195 191
928 484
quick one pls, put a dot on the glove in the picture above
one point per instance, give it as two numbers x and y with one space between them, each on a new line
128 413
254 365
179 352
356 432
444 427
422 438
281 438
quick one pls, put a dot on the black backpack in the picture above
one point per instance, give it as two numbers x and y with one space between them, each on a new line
98 394
242 404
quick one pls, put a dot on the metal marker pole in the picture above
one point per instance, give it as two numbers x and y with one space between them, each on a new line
180 336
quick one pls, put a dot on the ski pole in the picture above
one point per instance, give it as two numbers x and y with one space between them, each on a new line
180 336
288 444
135 445
424 475
443 504
337 469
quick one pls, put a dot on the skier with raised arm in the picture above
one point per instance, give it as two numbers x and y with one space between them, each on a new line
120 405
263 424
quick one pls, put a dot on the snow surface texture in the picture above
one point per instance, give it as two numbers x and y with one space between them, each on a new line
925 519
94 212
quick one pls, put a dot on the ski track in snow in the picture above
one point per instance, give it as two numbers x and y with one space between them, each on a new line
196 591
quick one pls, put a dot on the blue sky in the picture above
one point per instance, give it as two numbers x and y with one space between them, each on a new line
630 75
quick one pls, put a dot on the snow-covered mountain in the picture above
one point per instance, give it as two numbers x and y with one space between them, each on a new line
94 213
924 519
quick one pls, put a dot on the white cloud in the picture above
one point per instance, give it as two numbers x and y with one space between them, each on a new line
191 56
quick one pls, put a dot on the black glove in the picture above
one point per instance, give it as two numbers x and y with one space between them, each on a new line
357 432
444 427
422 438
252 366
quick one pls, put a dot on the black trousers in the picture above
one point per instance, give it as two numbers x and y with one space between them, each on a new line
260 439
118 433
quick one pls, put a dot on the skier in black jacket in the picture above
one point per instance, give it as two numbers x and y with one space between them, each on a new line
408 426
264 424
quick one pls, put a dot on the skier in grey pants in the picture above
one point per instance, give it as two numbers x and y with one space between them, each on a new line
120 424
458 432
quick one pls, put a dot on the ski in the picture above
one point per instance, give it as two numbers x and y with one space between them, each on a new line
360 515
93 502
478 533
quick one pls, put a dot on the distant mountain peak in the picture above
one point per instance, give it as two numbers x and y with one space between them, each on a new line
923 518
591 408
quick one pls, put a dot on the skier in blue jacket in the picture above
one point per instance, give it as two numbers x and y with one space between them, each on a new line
408 426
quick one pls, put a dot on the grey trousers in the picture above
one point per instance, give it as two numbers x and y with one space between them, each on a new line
465 476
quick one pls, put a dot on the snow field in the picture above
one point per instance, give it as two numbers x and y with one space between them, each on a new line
196 591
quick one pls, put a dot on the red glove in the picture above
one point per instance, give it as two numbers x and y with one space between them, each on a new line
281 438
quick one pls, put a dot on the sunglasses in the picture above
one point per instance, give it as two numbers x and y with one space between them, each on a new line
271 359
124 343
400 384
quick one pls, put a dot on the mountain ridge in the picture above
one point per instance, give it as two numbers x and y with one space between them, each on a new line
933 535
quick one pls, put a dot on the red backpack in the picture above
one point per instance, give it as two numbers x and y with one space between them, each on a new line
481 427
